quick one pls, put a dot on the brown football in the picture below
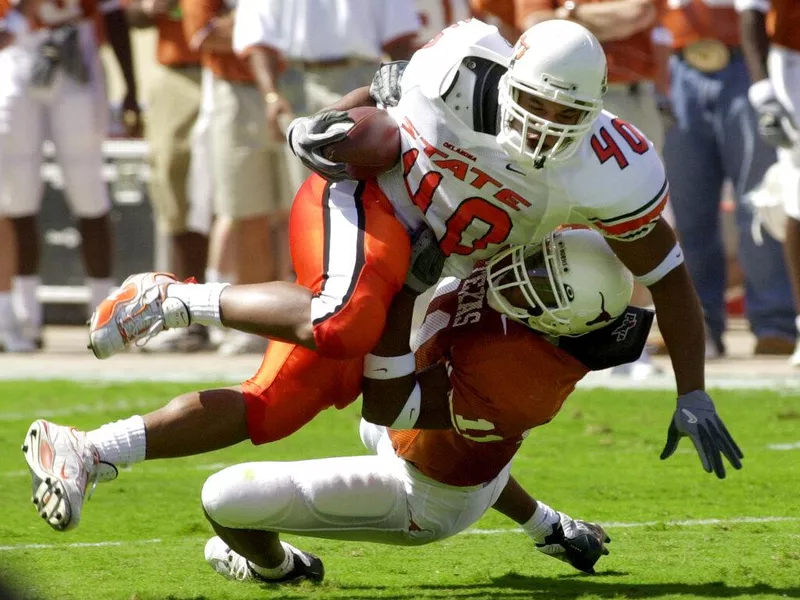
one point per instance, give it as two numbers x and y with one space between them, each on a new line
372 145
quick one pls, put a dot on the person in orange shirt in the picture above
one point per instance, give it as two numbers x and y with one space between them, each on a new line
716 139
775 95
172 111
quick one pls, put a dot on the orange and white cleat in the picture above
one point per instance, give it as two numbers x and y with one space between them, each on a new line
135 313
63 463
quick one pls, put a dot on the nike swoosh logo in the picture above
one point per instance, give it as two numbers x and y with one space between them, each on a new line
381 369
411 414
690 416
513 168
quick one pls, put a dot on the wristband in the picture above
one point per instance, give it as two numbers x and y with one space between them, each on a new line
389 367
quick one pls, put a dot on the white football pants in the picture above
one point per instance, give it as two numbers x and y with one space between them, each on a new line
784 71
72 115
378 498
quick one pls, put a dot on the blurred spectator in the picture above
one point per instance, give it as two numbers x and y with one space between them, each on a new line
300 70
435 15
775 94
172 111
501 13
51 86
246 165
715 138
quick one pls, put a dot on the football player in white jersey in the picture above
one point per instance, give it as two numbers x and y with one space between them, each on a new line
526 143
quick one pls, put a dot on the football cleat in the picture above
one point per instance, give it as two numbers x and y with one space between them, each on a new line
579 543
236 567
63 463
135 313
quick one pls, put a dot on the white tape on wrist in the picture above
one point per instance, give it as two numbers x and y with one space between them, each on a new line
672 260
389 367
409 414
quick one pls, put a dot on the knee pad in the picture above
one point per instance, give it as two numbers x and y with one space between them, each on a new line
248 496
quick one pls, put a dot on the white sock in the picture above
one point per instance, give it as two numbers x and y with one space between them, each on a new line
797 323
540 525
121 442
201 299
99 290
282 569
6 312
26 304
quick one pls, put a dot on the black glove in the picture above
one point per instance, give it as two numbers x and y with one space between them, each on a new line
68 42
775 124
307 135
385 86
697 418
427 260
579 543
45 66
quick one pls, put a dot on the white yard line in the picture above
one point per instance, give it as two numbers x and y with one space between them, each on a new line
792 446
609 525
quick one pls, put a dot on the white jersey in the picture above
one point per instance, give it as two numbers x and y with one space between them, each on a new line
477 199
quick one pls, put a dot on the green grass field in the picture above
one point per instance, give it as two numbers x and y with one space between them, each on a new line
142 536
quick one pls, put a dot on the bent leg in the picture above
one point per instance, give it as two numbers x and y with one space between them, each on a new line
195 423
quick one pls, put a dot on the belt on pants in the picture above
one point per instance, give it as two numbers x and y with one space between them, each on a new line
708 55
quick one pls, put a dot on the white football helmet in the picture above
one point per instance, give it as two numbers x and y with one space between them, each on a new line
555 60
570 284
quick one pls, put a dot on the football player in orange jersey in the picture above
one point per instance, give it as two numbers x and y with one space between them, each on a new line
475 405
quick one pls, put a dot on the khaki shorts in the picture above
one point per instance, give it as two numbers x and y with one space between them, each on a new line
171 115
247 166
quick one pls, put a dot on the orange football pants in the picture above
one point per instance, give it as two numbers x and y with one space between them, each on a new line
351 251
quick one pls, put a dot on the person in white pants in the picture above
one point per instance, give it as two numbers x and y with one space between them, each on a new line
73 114
775 94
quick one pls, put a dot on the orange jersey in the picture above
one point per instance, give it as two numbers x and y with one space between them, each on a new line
172 48
198 14
694 20
784 20
53 13
630 59
505 379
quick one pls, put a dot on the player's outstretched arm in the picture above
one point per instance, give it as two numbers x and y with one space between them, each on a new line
656 260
